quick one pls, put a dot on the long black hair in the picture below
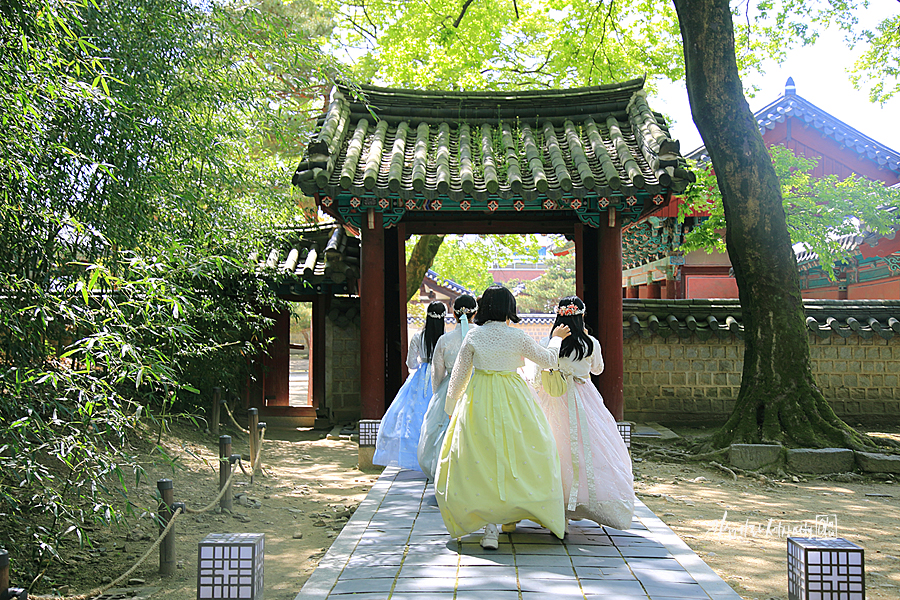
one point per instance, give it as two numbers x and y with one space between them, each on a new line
434 327
464 304
578 342
496 304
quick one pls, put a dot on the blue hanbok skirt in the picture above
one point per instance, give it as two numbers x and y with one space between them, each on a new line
398 433
433 430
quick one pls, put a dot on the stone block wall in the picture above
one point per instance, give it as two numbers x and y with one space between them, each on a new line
675 379
342 369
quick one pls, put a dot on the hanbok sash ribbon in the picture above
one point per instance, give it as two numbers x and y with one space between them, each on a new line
501 439
578 414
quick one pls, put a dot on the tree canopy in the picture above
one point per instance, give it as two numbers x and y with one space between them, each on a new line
541 295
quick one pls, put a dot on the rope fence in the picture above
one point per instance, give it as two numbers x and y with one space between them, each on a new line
233 420
178 508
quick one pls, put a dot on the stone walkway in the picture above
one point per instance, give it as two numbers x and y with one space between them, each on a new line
396 548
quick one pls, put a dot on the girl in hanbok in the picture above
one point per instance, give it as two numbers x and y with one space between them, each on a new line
445 353
596 467
498 462
398 433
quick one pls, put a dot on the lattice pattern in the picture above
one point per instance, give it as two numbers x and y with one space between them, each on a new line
625 431
230 566
368 432
825 569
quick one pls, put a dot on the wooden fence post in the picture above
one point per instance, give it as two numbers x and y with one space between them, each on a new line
167 547
4 573
252 422
215 417
225 471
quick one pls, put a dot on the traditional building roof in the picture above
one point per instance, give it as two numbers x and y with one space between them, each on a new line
791 105
319 259
447 283
582 149
704 318
847 243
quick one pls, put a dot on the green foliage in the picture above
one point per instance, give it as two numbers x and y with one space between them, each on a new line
145 154
542 295
497 44
501 45
879 66
466 259
818 209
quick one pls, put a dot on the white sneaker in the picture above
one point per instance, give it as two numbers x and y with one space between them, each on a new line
491 538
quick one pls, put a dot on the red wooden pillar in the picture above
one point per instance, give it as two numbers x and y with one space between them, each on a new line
371 332
404 326
631 291
578 238
653 290
609 326
670 289
394 321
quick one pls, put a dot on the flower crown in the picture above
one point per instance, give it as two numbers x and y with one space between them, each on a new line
569 310
465 310
439 315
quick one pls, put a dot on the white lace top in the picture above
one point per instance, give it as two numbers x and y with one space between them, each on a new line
589 365
445 353
415 354
495 346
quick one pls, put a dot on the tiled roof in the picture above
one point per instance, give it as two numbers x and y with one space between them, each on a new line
447 283
847 243
792 105
600 141
316 259
704 318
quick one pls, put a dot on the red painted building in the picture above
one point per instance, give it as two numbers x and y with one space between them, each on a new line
654 268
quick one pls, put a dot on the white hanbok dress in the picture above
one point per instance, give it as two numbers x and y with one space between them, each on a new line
596 468
436 419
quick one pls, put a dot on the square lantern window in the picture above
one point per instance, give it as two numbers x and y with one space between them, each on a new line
230 566
368 432
625 428
825 569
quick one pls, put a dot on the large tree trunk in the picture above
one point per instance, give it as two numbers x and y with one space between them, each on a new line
778 400
420 261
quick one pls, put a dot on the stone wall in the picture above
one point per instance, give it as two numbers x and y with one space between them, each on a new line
683 379
342 363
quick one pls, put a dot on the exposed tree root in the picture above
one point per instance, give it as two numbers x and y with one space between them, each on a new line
793 417
724 469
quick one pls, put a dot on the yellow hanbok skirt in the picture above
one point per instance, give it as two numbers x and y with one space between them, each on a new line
499 463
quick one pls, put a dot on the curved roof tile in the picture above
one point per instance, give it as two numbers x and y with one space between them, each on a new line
598 140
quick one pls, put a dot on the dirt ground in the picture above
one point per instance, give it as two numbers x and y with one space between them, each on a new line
311 487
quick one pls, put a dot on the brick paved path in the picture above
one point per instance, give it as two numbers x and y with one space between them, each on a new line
396 548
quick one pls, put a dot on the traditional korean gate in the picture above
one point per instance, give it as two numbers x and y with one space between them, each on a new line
581 162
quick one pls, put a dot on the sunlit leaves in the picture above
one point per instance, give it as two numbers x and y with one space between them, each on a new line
818 209
879 66
466 259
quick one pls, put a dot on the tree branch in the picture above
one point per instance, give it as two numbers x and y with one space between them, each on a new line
463 13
